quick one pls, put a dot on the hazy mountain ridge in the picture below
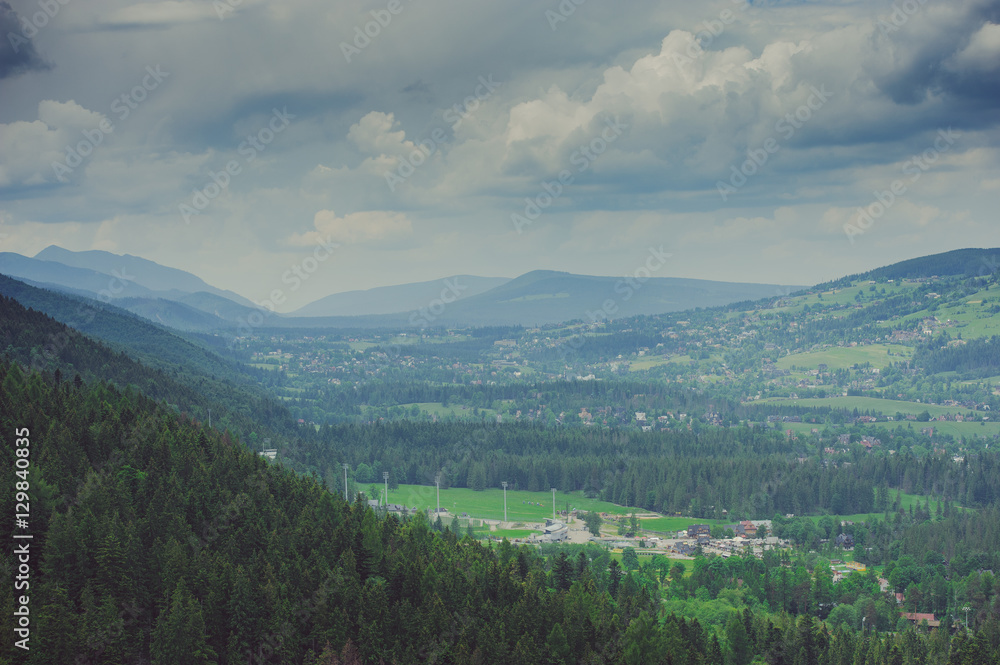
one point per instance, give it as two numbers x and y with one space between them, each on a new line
539 297
398 298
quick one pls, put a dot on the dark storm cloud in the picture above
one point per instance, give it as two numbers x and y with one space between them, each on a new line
926 62
17 52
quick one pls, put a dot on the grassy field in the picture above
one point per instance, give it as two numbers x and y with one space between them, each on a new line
441 411
672 523
967 430
845 296
509 534
522 506
879 355
647 362
885 406
905 502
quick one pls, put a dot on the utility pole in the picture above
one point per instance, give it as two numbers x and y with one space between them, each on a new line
345 483
385 477
505 501
553 504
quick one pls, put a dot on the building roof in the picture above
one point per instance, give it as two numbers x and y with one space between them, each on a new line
917 617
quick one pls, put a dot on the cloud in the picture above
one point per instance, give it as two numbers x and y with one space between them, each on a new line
171 13
694 106
31 147
17 52
374 135
982 52
355 228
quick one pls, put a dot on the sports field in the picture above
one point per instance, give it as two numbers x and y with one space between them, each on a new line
522 506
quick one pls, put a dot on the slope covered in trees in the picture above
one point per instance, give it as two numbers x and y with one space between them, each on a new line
157 540
45 344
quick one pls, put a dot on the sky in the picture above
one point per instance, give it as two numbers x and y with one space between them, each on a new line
392 141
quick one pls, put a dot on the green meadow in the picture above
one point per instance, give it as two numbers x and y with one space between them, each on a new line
842 357
522 506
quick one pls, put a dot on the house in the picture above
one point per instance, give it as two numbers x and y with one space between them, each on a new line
844 540
749 529
696 530
917 618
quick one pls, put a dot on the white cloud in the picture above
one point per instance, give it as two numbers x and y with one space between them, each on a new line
982 52
30 147
354 228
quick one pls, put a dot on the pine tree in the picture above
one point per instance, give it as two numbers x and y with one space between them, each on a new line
179 636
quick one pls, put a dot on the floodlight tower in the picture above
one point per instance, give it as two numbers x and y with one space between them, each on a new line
385 478
505 501
553 504
345 482
437 482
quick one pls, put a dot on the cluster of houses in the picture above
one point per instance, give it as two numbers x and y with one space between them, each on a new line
699 536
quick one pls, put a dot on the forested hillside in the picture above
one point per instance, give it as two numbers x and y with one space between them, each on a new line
156 539
752 473
190 384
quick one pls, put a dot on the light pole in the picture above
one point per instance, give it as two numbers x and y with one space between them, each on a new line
505 501
553 504
437 482
385 477
345 483
966 608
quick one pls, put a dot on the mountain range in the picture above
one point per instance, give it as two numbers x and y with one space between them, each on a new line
181 300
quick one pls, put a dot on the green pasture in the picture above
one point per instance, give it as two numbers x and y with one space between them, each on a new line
842 357
888 407
663 524
905 502
509 534
522 506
